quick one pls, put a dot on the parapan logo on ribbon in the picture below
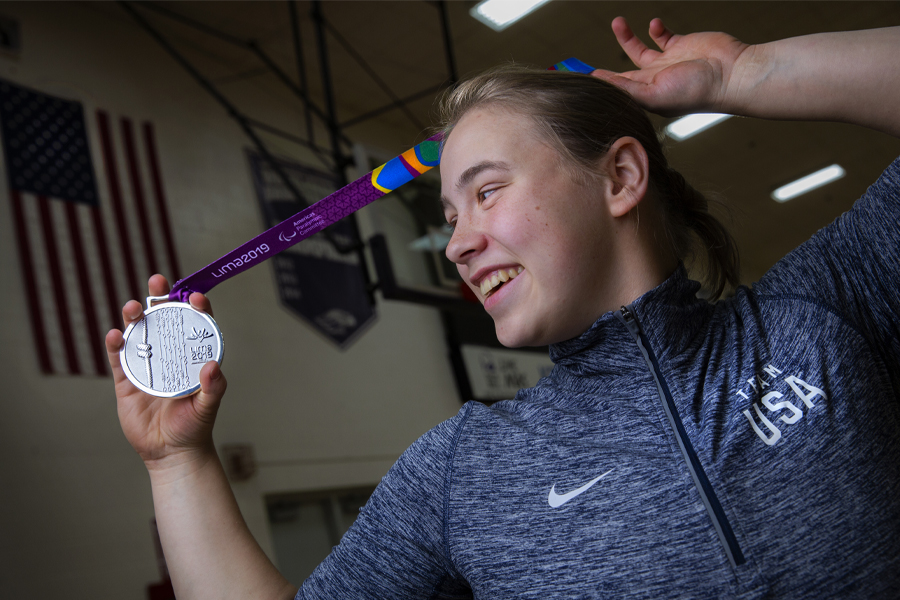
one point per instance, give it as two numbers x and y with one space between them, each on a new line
407 166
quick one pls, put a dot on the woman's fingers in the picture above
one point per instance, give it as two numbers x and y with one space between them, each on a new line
661 35
212 388
200 302
623 81
159 285
636 50
132 311
114 343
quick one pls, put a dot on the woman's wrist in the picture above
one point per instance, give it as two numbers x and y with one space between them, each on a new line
743 81
182 464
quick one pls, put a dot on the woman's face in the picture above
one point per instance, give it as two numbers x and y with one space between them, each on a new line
517 211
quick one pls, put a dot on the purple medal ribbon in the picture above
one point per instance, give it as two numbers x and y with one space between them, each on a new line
311 220
327 211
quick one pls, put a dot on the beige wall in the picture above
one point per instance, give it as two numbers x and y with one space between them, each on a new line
75 500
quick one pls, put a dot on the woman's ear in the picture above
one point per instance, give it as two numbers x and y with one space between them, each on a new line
627 172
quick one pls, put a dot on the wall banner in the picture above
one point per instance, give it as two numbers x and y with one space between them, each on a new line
316 282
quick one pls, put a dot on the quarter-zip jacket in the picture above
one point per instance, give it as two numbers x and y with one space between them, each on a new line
678 449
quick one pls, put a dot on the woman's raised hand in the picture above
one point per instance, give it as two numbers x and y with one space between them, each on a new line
165 430
691 73
845 76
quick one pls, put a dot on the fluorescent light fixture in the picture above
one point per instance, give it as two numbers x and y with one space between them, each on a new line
691 125
808 183
500 14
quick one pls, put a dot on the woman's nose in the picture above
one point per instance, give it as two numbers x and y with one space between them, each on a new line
466 242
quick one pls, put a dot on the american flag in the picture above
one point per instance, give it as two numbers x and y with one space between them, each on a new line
87 240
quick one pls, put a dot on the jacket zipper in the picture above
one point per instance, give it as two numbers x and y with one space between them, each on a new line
713 507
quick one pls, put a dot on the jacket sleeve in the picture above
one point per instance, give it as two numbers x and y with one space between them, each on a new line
396 548
852 267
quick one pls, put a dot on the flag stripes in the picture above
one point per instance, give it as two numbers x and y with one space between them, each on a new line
106 269
137 192
159 194
59 290
86 291
115 196
26 263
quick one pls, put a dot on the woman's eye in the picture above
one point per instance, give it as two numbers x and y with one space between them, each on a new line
483 195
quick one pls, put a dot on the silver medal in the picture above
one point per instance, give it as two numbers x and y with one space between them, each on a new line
165 349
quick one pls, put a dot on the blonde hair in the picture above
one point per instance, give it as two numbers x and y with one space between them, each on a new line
581 117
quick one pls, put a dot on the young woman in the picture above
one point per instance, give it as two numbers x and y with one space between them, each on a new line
747 448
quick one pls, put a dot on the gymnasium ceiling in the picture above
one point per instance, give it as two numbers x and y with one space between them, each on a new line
743 160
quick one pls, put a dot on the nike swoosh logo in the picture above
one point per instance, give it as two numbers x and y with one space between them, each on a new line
556 500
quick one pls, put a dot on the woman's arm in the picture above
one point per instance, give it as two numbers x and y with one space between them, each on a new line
851 77
209 551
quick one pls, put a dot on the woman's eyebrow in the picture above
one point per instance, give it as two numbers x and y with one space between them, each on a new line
469 174
472 172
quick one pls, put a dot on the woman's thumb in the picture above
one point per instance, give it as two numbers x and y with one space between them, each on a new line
212 387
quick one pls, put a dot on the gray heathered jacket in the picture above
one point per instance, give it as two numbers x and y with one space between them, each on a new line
748 449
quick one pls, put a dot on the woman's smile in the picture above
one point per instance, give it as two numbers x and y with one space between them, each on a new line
494 279
498 285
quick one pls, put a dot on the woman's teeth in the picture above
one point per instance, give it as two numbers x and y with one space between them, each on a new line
497 278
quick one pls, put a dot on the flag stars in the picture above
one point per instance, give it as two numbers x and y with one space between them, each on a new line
45 142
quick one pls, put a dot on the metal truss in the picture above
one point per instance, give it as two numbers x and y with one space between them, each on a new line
333 156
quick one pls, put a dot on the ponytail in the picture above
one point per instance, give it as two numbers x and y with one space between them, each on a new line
692 227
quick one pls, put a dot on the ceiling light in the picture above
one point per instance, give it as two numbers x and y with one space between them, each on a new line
808 183
690 125
500 14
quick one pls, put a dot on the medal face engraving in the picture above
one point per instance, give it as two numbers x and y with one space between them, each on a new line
165 350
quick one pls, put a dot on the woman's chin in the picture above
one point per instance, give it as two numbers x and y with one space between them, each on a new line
513 336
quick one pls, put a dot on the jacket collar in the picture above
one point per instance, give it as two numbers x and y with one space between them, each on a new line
670 314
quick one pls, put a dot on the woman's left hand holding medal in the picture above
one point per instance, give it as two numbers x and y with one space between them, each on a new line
163 430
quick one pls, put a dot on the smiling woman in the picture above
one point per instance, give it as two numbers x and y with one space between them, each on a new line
745 448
